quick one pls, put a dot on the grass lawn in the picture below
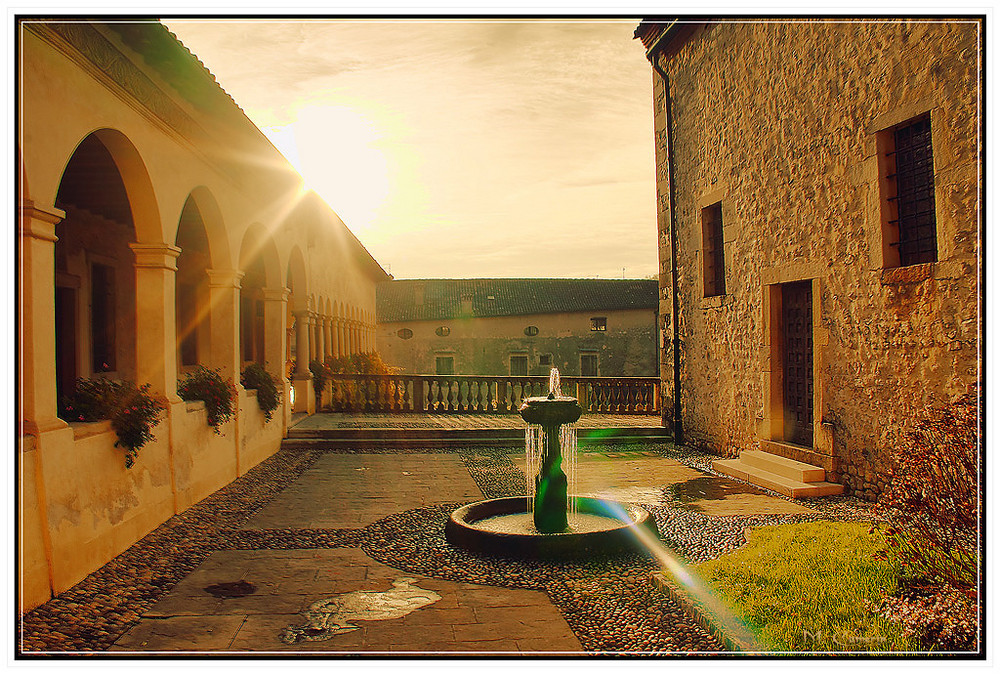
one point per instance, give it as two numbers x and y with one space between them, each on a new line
804 587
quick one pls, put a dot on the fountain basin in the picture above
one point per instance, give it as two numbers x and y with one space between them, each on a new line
503 527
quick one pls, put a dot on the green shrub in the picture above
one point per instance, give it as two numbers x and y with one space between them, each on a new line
254 376
132 411
218 394
320 374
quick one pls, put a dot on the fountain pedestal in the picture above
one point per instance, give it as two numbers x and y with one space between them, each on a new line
550 503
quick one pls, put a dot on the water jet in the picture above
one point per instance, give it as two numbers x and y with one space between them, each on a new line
549 522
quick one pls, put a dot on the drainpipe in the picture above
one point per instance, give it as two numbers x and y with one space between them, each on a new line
653 55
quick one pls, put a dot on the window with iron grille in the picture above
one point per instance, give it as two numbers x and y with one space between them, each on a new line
715 260
910 187
599 323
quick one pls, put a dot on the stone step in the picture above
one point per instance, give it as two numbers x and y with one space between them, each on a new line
779 465
779 483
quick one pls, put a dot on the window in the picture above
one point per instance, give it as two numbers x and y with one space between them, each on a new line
443 331
545 360
714 252
906 166
531 330
519 366
599 323
588 364
102 317
404 333
444 365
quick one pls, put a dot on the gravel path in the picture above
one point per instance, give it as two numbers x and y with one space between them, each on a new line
610 604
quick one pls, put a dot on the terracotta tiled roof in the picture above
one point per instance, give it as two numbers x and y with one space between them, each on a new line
430 299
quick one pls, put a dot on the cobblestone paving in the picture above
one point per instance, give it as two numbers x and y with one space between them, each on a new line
609 604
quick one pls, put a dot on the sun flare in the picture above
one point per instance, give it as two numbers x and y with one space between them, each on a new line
338 151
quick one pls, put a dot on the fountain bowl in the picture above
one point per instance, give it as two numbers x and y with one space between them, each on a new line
550 411
472 527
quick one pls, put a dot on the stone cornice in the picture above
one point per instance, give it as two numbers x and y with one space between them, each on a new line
155 255
87 42
224 278
40 222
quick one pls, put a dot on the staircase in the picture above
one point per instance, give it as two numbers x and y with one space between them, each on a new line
785 476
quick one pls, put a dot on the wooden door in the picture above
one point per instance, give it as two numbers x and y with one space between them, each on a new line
797 328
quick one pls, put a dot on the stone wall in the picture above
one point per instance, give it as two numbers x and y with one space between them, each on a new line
778 122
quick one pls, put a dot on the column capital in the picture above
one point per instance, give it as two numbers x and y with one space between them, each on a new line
40 222
276 294
155 255
301 313
225 278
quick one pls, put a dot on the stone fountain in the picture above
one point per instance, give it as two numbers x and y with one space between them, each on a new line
549 523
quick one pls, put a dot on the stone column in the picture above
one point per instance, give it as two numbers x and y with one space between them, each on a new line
224 293
341 338
328 332
156 329
320 337
38 318
334 341
301 379
41 430
275 345
275 310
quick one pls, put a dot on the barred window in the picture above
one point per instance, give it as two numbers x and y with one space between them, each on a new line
913 174
715 260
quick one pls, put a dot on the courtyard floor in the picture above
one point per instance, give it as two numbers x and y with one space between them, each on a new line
340 550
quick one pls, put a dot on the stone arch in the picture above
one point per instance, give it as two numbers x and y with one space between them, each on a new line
260 267
204 246
110 208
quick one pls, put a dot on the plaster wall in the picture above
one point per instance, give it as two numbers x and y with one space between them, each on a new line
79 506
483 346
778 122
203 461
95 507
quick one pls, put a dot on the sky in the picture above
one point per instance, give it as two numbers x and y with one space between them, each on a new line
458 148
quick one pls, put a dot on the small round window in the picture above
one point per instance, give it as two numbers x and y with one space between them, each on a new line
443 331
531 330
404 333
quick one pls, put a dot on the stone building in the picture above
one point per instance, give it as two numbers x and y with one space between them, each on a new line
822 181
525 326
159 231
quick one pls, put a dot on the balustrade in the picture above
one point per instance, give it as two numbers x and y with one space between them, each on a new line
474 394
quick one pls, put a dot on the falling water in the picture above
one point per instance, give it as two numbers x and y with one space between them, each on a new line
534 443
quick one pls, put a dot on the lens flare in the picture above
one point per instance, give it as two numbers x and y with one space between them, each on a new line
741 635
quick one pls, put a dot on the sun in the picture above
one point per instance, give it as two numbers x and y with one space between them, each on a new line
340 153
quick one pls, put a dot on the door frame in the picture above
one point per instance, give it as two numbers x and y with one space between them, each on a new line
771 422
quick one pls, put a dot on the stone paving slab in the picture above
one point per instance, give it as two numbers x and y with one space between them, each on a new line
468 617
350 491
336 421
